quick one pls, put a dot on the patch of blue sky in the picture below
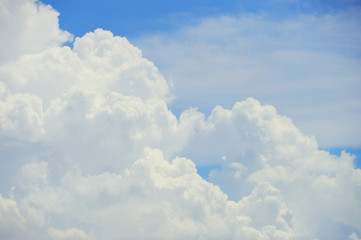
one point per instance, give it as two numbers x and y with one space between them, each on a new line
204 170
353 151
132 18
137 18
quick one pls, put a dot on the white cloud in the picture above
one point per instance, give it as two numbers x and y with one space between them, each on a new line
308 66
160 199
90 150
28 26
353 236
21 116
72 233
34 175
11 221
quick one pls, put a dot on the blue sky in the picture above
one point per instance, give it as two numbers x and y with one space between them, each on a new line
136 18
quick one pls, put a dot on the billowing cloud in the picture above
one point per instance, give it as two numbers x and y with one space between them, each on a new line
28 27
90 150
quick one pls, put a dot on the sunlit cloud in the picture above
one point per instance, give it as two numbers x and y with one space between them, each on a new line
91 150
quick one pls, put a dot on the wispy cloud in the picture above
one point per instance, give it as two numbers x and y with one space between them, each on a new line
307 65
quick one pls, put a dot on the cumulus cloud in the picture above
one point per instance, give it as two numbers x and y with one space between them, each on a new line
155 198
28 27
90 150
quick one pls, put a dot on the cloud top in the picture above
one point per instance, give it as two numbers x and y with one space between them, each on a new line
28 26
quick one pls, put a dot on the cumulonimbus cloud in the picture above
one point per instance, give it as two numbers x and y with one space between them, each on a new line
91 151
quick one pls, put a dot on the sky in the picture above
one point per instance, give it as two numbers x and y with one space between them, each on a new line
180 120
304 54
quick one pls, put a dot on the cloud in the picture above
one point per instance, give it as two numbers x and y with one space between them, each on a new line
72 233
21 116
306 65
12 222
90 150
28 26
155 198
